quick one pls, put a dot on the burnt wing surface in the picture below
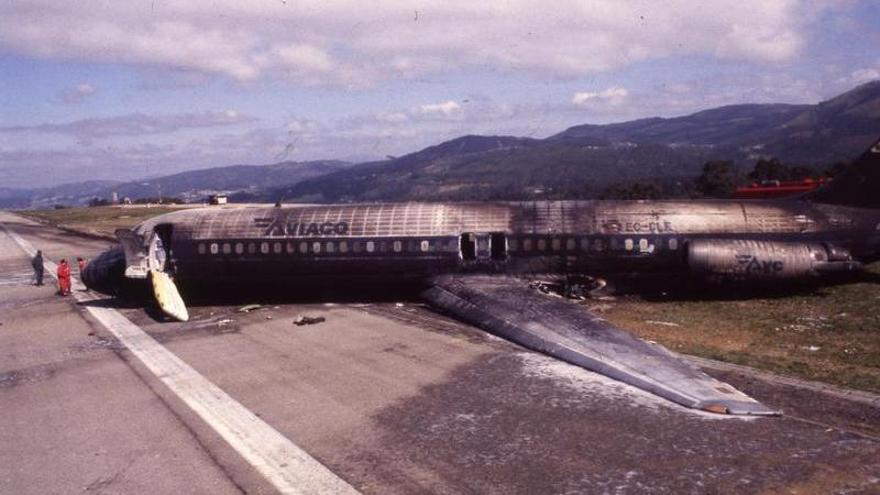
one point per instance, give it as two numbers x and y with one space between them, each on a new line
507 307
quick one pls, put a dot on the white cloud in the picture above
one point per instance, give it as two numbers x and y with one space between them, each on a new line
315 42
614 95
77 94
136 124
445 108
864 75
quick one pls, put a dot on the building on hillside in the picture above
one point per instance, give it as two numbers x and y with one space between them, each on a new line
218 199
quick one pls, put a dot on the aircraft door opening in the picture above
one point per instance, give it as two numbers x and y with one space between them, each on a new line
498 246
159 252
468 246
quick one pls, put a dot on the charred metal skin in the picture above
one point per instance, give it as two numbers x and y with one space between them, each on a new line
743 259
464 253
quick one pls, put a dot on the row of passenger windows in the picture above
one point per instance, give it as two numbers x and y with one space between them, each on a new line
314 247
588 244
642 245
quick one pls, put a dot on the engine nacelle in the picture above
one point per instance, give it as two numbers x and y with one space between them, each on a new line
762 260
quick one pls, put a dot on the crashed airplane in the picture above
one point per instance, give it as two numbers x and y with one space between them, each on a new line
476 260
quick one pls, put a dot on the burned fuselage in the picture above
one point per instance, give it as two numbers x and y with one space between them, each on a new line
390 242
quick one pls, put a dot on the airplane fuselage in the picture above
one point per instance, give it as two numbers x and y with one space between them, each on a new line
417 240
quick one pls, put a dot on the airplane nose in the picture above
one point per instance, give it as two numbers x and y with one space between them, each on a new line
106 273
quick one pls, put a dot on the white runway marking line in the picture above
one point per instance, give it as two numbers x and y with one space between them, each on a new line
289 468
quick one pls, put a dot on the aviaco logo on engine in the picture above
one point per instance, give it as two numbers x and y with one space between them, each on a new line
751 264
275 227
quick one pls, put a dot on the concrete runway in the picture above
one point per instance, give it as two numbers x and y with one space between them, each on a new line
390 398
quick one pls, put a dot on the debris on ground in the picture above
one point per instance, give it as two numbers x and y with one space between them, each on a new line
811 348
91 333
268 317
398 305
308 320
664 323
223 323
600 308
249 308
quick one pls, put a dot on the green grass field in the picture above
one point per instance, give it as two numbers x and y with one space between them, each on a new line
831 334
101 220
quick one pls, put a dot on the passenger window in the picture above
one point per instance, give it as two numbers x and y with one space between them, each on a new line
239 248
425 246
570 244
304 247
201 248
398 246
330 247
512 244
527 244
628 244
214 248
252 248
264 248
371 246
673 244
343 246
227 248
542 244
316 247
598 245
290 248
277 248
643 245
356 246
585 244
556 243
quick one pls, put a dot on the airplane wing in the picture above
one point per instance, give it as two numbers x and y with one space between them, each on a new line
508 307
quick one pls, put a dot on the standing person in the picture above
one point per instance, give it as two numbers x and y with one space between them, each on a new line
37 263
64 278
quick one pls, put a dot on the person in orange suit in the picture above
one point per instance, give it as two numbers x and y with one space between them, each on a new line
64 278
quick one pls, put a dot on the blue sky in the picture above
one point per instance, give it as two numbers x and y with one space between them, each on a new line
100 90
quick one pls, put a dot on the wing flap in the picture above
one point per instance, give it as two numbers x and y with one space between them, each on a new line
507 307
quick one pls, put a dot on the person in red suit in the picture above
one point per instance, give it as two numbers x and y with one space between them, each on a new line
64 278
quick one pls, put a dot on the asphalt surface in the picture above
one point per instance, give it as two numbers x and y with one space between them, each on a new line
393 398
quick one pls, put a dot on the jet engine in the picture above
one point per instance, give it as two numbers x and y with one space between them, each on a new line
764 260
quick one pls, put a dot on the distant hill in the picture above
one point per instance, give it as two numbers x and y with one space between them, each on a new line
192 186
579 162
195 185
66 194
583 160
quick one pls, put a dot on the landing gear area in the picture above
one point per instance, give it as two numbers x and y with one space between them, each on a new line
577 287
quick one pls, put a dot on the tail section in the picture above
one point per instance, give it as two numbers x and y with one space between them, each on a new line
858 186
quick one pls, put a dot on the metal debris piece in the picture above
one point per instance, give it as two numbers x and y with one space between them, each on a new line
308 320
576 287
663 323
249 308
223 323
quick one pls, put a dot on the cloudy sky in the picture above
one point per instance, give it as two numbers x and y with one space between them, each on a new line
103 89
